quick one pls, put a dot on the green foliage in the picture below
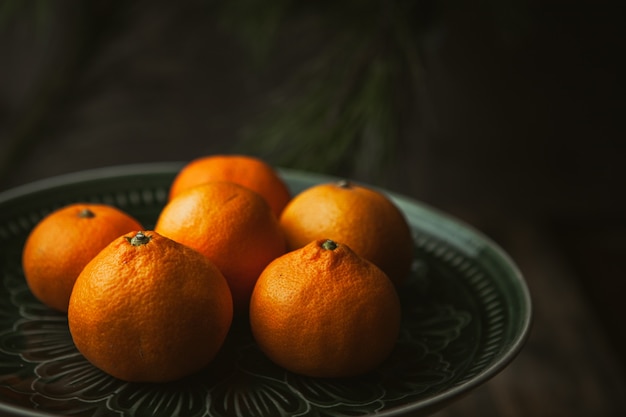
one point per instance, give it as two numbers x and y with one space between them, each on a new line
39 10
340 111
255 22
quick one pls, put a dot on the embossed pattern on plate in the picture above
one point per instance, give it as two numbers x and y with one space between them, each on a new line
466 314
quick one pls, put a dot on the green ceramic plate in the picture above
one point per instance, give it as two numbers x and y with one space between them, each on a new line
467 313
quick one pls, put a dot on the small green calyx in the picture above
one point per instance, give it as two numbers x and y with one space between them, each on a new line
329 245
139 239
344 184
86 214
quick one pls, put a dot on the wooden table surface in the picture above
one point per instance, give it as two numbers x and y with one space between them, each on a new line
567 367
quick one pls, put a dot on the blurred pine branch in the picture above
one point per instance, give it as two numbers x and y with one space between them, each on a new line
340 112
254 22
10 10
343 108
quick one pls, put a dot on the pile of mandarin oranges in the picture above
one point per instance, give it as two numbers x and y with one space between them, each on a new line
315 274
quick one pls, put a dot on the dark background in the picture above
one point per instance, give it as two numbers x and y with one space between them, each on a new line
516 125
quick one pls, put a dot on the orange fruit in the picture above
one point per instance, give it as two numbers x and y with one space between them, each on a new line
148 309
62 243
248 171
230 224
364 219
324 311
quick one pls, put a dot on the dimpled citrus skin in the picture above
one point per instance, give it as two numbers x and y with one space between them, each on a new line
251 172
231 225
57 249
325 312
154 312
360 217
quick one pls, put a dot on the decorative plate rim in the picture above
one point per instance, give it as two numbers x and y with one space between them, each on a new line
409 205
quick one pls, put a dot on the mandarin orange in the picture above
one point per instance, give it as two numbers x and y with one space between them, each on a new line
57 248
231 225
148 309
324 311
251 172
363 218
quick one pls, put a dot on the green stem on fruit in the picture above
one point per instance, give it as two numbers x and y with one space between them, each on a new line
344 184
139 239
329 245
86 214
